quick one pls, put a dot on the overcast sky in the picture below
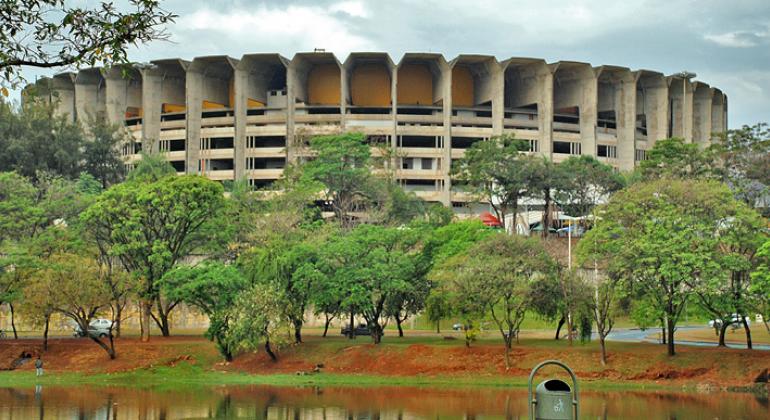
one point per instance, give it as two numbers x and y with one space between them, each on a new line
726 42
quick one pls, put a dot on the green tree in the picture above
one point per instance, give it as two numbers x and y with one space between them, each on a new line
257 316
341 167
369 266
675 158
497 171
149 227
497 273
663 239
213 288
53 33
151 167
100 157
437 308
760 286
583 183
744 162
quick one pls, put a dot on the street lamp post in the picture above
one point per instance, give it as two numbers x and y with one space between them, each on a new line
685 75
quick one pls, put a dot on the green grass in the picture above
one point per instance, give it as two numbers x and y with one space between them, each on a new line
190 376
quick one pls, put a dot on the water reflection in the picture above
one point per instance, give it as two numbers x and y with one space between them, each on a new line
332 403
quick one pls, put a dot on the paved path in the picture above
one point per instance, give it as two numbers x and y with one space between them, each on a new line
635 335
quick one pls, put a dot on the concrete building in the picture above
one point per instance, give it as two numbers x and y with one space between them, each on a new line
229 118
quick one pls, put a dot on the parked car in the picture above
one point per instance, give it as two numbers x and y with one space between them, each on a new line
361 329
99 327
735 320
457 327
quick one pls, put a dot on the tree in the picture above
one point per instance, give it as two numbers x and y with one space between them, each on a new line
341 166
663 238
547 178
584 182
744 161
674 158
257 316
149 227
760 286
51 33
497 273
151 167
437 307
213 288
20 214
100 157
498 171
368 267
78 292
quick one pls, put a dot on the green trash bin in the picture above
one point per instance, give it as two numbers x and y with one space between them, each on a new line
553 399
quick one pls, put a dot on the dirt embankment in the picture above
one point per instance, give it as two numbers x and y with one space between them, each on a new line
709 367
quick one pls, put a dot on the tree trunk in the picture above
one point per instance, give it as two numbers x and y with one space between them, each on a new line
604 349
671 350
13 322
352 329
109 349
398 325
269 351
376 334
118 316
558 327
767 325
508 353
297 330
144 319
546 221
326 325
438 327
45 332
748 331
722 330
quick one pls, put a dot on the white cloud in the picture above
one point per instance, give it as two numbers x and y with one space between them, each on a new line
352 8
738 39
306 27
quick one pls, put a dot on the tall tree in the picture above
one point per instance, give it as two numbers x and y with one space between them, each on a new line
257 316
497 171
585 181
663 238
214 289
57 33
744 162
151 226
674 158
760 286
341 167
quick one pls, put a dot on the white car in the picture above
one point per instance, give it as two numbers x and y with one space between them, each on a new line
99 327
735 320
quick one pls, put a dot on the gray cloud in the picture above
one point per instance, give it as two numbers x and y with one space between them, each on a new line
725 42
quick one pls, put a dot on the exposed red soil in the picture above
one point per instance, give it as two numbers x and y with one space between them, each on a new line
636 363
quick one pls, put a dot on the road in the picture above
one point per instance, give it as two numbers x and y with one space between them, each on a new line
635 335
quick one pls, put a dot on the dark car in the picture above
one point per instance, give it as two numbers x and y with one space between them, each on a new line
361 329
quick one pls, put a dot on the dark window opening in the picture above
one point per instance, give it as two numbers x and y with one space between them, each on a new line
253 142
262 184
485 114
221 164
323 111
178 165
606 119
217 113
569 119
172 117
464 142
418 141
417 111
562 147
265 163
369 110
176 145
221 143
377 140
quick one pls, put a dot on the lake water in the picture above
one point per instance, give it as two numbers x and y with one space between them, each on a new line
329 403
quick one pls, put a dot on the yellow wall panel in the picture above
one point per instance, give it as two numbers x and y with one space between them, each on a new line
323 85
370 85
212 105
253 103
415 85
172 108
462 86
231 92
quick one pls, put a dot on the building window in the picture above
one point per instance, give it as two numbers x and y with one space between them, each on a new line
607 151
567 148
640 155
254 142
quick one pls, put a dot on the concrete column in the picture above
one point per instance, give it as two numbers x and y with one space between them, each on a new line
241 79
446 88
152 86
63 85
702 114
394 114
498 97
544 87
116 95
675 94
718 123
656 111
89 102
291 75
589 87
625 98
344 89
194 105
688 110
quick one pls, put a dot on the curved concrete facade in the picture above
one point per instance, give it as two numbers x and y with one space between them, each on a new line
230 118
